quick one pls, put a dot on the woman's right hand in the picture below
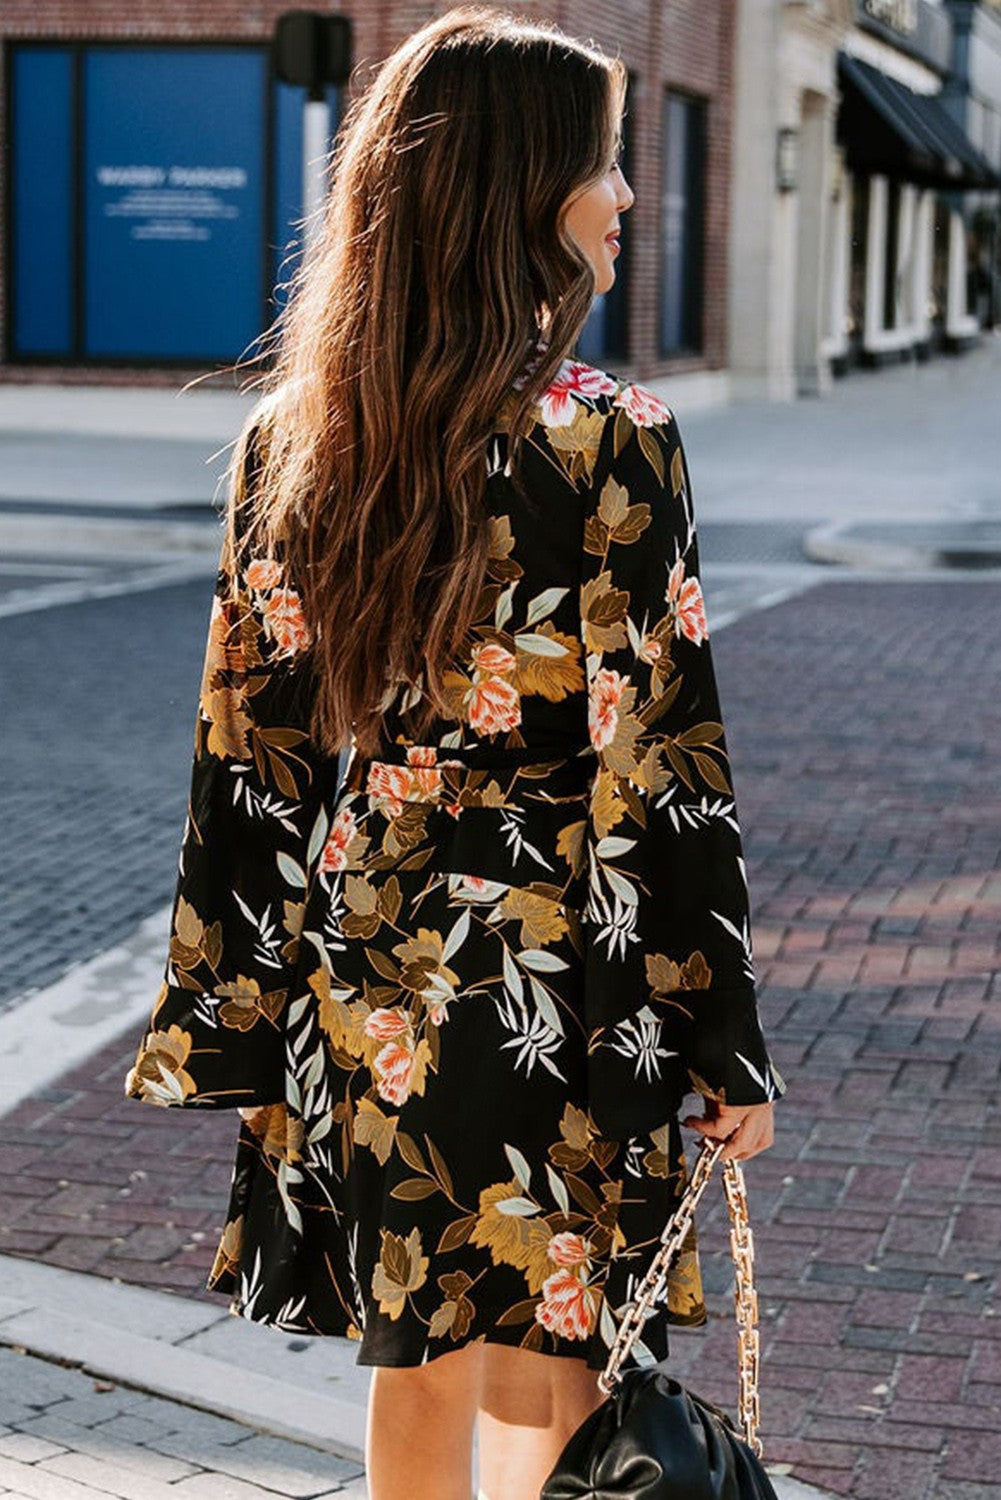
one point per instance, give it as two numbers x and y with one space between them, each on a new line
747 1128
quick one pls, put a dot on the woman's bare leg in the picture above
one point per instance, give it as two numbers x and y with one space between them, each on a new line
529 1405
419 1428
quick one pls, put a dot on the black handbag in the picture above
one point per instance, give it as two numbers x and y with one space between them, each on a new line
651 1438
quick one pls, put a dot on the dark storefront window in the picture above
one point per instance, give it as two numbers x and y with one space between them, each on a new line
890 272
154 191
858 262
940 269
605 335
683 143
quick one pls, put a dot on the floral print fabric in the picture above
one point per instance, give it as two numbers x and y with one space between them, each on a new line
459 993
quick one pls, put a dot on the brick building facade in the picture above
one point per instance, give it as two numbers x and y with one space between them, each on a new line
668 315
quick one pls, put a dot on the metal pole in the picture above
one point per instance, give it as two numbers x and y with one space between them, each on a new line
315 138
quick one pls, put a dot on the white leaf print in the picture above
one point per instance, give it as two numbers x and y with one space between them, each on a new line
744 938
541 961
546 1005
606 1323
512 979
292 1094
558 1188
519 1166
616 923
751 1069
505 605
540 645
534 1039
297 1042
522 1208
286 1175
262 804
623 888
457 936
438 988
642 1354
318 837
516 842
287 1317
320 1129
543 604
314 1069
292 871
269 939
638 1037
611 847
296 1009
251 1290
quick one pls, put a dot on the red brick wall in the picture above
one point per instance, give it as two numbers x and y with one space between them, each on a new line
684 44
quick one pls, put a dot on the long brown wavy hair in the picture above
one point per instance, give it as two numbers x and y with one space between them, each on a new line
440 268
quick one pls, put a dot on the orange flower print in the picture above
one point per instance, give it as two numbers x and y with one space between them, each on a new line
567 1306
605 693
437 1008
422 755
557 406
342 831
567 1249
493 659
387 785
263 573
643 406
651 651
689 606
427 781
393 1067
386 1024
285 621
494 706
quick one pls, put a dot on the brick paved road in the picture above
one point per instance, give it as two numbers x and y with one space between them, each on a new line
100 711
863 721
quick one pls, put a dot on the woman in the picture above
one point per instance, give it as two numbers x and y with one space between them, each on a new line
458 994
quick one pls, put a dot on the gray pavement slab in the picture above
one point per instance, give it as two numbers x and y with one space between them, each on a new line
76 1434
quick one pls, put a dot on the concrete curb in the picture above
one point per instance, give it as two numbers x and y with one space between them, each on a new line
835 543
146 539
92 1003
196 1354
124 411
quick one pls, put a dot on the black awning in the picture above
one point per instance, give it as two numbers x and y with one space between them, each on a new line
886 127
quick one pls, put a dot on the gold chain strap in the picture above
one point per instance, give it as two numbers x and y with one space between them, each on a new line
745 1297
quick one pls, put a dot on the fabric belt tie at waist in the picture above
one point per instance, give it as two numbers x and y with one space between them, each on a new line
521 778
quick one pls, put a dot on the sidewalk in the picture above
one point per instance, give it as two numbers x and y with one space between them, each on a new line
69 1435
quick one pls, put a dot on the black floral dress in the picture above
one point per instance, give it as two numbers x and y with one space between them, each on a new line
458 991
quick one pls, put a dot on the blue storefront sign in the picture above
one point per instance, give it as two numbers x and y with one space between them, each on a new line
173 175
155 199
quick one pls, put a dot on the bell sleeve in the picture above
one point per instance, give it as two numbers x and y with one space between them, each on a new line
671 1002
255 821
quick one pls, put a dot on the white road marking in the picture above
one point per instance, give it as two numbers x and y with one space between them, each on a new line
54 595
